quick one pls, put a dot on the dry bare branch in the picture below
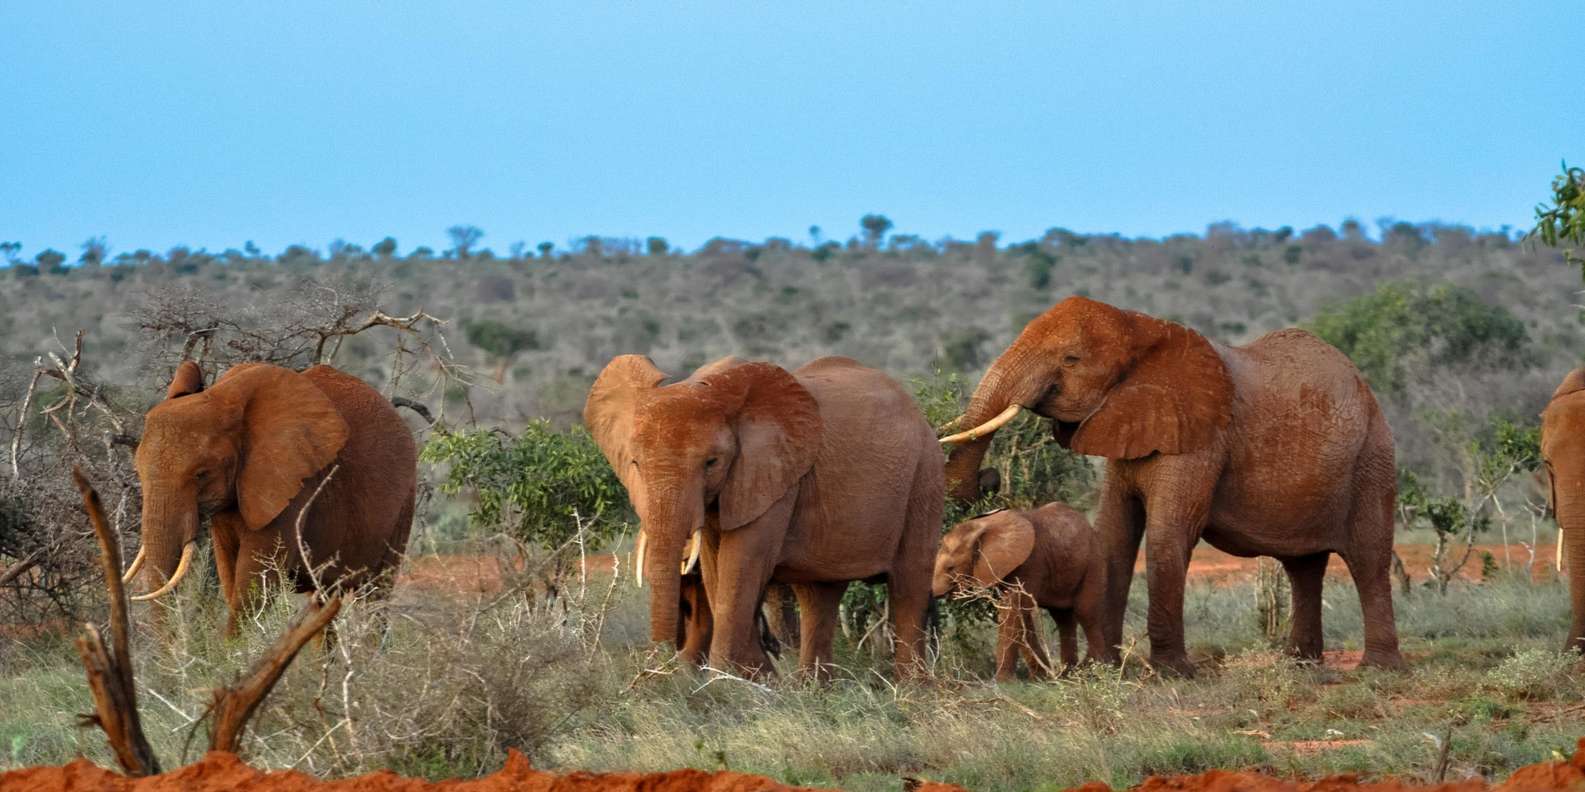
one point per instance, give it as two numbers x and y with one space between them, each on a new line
234 705
110 670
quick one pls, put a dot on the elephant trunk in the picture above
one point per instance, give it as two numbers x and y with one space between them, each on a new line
1571 532
170 526
1003 385
668 526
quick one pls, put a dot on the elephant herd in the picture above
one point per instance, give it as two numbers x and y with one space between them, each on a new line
747 476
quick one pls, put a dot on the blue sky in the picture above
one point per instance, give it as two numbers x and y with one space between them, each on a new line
209 124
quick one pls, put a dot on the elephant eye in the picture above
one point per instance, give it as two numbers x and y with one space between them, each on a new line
1070 360
711 462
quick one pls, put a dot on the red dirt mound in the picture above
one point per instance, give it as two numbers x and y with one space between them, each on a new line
223 771
219 772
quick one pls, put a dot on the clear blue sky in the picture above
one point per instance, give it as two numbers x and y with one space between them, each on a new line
210 124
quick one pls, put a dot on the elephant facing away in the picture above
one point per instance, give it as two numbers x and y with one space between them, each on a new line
1046 558
1277 448
815 477
1563 450
248 453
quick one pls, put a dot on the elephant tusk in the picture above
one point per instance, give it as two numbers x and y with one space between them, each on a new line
181 572
137 563
984 428
694 543
638 558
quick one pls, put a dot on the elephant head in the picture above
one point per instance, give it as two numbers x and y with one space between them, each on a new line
247 444
1117 384
982 551
1563 451
725 444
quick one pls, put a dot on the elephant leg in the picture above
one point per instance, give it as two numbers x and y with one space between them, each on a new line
781 613
1369 560
1167 545
254 574
1032 644
817 622
1009 634
1372 579
908 584
1089 609
695 622
1120 526
223 528
1305 576
1067 637
736 571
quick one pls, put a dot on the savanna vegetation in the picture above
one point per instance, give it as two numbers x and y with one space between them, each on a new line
539 644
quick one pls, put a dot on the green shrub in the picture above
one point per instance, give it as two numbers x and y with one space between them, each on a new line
539 486
1382 331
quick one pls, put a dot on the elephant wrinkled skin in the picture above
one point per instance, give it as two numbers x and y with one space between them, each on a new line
1276 448
1563 449
249 453
816 478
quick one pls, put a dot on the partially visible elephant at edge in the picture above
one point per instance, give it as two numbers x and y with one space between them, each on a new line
1276 448
1563 450
1047 558
816 478
248 453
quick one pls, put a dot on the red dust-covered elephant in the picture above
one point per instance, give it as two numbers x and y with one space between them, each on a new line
249 453
814 477
1277 448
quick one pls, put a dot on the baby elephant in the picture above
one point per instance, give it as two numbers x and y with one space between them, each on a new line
1046 558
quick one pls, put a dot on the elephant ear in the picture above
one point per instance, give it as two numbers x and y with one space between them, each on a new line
1575 381
779 432
291 431
188 380
608 413
1173 399
1005 544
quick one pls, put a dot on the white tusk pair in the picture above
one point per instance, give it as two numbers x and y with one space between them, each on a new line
181 572
985 428
137 563
641 554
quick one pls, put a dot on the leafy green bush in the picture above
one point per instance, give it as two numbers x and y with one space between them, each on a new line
538 486
499 339
1383 330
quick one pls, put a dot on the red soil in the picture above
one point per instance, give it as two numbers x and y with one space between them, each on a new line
481 574
1214 566
221 771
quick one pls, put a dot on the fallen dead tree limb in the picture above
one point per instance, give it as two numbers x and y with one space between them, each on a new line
110 671
109 667
235 705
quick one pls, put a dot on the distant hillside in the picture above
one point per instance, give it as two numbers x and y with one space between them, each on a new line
547 325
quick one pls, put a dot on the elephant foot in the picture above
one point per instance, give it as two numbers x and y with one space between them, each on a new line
1174 665
1306 657
1387 661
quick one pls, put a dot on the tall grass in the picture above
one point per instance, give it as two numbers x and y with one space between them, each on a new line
441 686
